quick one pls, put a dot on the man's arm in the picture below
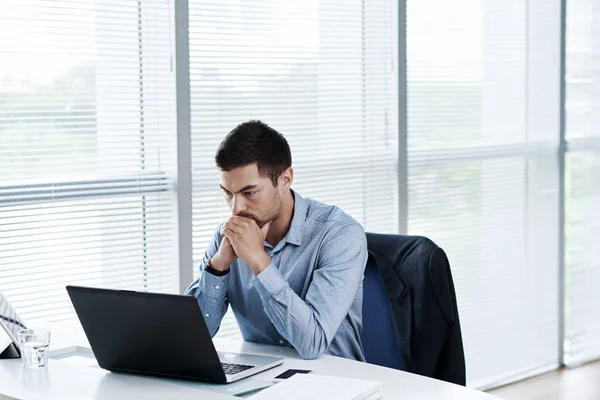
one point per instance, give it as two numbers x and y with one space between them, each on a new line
211 290
310 325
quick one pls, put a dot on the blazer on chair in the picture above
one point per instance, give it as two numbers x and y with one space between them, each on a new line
420 290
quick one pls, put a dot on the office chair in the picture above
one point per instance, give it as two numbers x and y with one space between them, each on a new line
410 315
379 340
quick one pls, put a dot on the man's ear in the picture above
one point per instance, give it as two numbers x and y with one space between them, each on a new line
286 178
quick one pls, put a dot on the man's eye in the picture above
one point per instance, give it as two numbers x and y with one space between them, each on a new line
249 194
228 194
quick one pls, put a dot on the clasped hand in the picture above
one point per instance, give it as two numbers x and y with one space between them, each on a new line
247 240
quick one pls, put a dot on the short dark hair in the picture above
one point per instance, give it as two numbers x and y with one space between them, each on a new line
255 142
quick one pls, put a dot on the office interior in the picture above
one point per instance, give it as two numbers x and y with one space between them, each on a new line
474 123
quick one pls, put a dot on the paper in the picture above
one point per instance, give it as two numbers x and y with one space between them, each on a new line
313 387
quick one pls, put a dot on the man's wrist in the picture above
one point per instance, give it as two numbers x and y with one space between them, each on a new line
260 263
217 264
208 268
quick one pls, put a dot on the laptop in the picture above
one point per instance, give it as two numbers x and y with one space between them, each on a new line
157 334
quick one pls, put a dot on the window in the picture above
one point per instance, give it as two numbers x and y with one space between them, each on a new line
483 128
324 74
86 122
91 191
582 230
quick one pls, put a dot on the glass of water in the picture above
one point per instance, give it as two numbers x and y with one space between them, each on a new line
34 347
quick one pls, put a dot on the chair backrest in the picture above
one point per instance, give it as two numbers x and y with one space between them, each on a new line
378 334
410 313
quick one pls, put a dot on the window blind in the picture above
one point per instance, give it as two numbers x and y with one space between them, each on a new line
324 74
582 182
86 150
483 128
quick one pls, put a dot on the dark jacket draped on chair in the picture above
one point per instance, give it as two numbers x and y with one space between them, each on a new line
420 291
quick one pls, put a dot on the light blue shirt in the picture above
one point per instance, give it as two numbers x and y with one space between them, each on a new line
308 298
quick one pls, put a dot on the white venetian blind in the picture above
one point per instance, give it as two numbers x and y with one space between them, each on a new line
483 129
324 74
582 230
86 126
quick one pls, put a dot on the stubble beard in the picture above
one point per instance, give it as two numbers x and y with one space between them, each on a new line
275 210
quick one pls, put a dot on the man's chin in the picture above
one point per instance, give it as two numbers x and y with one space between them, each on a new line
261 223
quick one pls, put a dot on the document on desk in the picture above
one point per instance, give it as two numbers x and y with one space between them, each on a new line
313 387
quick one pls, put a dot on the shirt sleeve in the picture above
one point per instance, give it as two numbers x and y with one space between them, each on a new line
311 324
211 290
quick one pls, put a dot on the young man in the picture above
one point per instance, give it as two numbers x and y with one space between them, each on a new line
290 267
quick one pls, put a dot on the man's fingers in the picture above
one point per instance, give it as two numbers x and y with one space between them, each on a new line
228 232
231 226
235 221
227 240
242 221
224 226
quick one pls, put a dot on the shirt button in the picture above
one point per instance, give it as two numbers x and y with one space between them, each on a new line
217 287
280 341
207 315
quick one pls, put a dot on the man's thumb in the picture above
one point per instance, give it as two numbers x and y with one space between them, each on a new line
265 229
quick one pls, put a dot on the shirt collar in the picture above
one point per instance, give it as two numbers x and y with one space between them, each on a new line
294 235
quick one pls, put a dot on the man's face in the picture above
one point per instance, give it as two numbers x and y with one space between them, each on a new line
249 194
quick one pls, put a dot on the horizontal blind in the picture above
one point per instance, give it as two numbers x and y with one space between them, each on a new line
582 231
323 73
86 150
582 180
483 129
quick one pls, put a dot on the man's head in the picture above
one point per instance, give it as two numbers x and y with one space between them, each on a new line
255 164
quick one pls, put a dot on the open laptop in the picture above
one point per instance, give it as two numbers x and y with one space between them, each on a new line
157 334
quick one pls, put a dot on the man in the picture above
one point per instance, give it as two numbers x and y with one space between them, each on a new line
290 267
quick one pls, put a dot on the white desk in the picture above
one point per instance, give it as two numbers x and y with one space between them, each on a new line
62 380
396 384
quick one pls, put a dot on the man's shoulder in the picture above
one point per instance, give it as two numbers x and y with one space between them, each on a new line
329 216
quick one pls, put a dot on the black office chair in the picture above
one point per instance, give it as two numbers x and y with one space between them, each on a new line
410 315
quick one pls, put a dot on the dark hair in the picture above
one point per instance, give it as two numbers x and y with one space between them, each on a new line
255 142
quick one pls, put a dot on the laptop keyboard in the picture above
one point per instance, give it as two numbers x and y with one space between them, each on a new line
232 369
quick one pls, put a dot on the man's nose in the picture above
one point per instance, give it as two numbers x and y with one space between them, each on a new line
238 204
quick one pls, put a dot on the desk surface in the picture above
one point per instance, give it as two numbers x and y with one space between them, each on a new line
63 380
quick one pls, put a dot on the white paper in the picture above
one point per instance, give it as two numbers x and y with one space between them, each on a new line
313 387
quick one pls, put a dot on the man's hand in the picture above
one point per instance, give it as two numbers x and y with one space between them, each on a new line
248 240
225 255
